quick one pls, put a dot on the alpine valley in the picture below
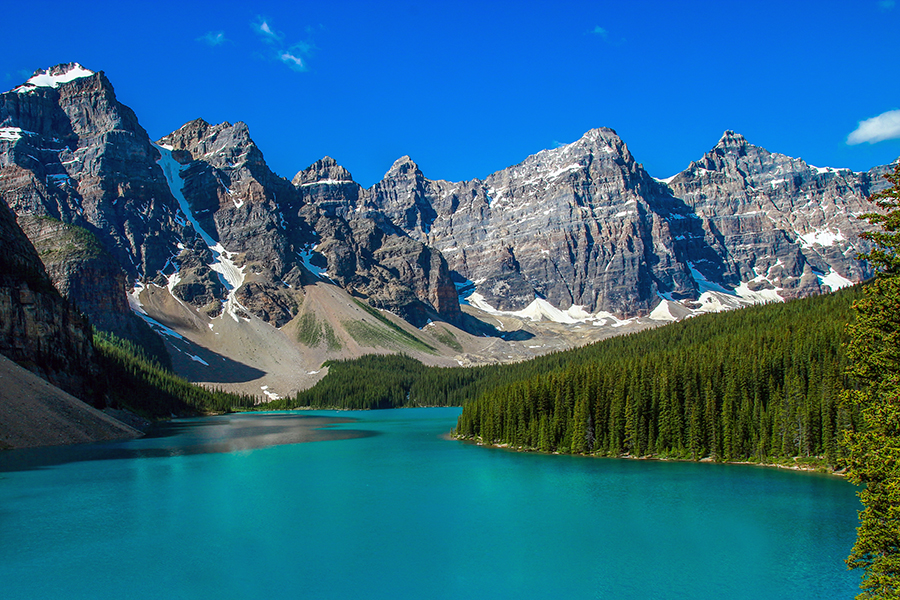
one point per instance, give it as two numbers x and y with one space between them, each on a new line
253 280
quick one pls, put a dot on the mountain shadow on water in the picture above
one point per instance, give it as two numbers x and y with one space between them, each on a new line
182 437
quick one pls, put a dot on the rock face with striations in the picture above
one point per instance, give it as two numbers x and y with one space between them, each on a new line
273 226
579 225
368 255
70 150
76 166
38 328
202 214
585 225
775 220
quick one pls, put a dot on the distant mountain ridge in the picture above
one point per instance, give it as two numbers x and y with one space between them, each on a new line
585 225
230 261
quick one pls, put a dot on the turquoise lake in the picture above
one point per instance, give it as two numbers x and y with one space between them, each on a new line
380 505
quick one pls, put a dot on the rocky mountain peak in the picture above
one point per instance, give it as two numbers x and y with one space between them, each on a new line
601 141
54 76
187 135
605 134
731 157
732 142
599 145
324 170
230 142
403 167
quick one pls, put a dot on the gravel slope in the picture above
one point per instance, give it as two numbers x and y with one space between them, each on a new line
36 413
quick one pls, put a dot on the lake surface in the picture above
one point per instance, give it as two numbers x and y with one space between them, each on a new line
389 509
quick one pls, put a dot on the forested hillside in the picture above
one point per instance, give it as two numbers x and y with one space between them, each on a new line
754 384
135 381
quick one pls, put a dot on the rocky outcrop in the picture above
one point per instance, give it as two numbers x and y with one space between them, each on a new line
39 329
775 220
585 225
367 254
272 226
202 216
90 278
580 225
233 201
82 176
231 191
70 150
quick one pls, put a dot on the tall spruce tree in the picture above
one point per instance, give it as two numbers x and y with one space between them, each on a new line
874 352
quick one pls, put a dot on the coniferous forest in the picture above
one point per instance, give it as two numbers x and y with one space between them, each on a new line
874 356
135 381
759 384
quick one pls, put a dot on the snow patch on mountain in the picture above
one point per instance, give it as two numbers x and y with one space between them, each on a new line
821 237
715 298
305 256
541 310
833 280
230 274
12 134
53 79
272 395
134 301
325 182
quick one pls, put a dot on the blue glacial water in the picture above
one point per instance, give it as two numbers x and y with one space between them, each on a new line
389 509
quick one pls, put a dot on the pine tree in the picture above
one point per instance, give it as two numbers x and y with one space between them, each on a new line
874 352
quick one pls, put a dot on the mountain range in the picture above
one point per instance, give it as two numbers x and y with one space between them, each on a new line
254 280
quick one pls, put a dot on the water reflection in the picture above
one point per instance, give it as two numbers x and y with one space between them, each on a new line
227 433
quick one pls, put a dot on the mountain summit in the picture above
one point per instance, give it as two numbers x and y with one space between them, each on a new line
254 279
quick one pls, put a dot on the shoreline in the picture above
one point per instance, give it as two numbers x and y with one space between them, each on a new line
797 467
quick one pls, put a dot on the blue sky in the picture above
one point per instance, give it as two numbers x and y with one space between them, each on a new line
468 88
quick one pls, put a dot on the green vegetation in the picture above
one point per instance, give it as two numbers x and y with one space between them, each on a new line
70 242
331 340
367 334
446 337
136 382
387 381
874 354
759 384
309 332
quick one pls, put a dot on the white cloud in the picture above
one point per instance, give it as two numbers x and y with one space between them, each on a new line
213 38
293 61
885 126
262 27
294 56
886 4
597 30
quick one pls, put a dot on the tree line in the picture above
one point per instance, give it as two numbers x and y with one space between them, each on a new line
132 380
762 383
757 384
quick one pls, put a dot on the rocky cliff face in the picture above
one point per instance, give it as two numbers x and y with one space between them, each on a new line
585 225
90 278
368 255
201 229
82 176
775 221
279 230
201 214
580 225
38 328
70 150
